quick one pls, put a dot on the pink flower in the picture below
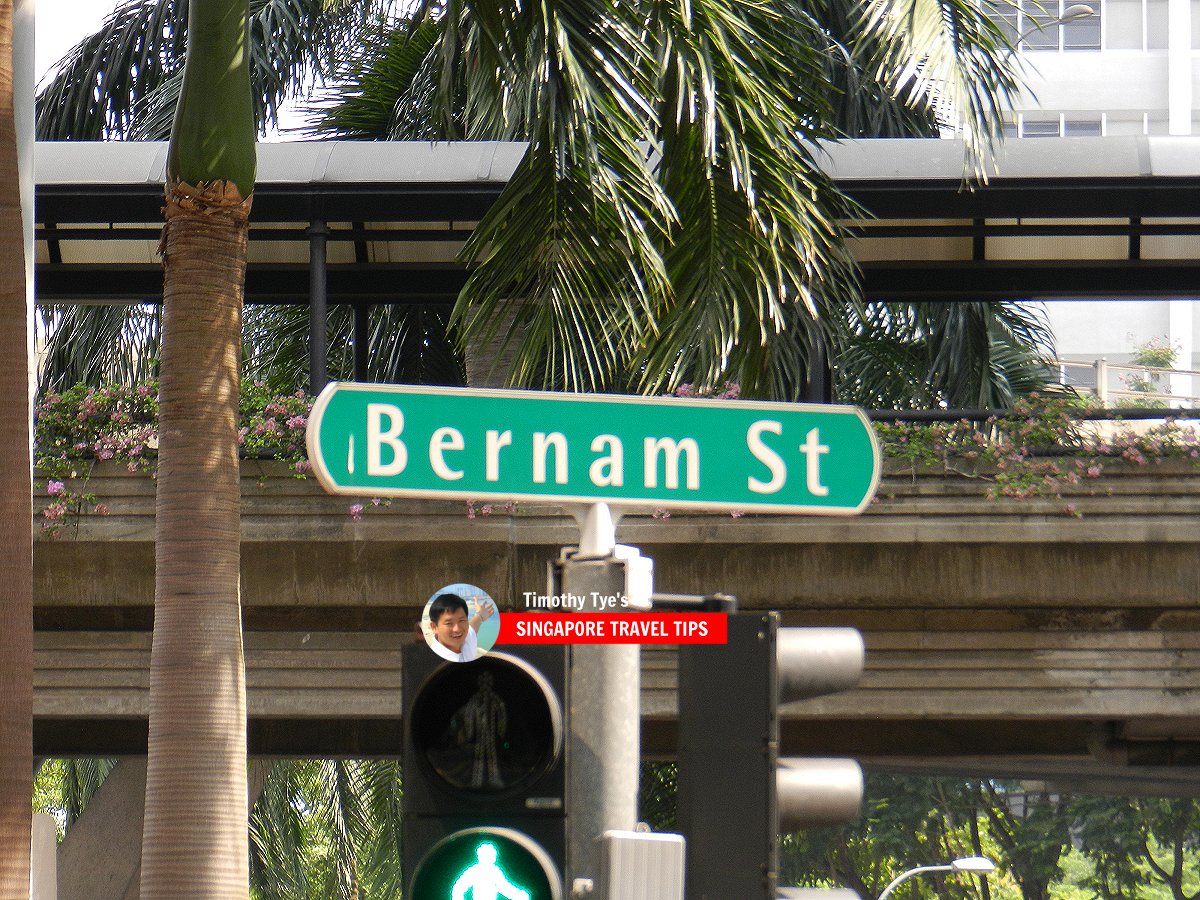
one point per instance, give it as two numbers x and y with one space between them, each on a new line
356 511
101 509
54 488
485 510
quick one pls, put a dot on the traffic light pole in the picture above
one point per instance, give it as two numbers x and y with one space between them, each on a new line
604 740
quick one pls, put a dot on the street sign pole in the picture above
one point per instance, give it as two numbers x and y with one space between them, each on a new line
587 452
604 741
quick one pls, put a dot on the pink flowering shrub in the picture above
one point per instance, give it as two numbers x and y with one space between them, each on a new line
1040 448
120 423
1037 450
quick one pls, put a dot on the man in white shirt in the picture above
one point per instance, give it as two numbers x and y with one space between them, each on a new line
455 637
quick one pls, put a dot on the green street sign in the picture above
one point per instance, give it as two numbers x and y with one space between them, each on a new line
401 441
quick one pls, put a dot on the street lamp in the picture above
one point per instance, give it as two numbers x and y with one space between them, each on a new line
1072 13
977 864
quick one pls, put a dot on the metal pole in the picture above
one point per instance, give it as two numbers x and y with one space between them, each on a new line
904 876
318 305
819 386
362 337
604 740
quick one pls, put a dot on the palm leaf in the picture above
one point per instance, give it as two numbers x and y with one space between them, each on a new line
124 80
862 104
96 345
963 355
279 836
573 241
410 344
949 55
95 88
383 89
758 252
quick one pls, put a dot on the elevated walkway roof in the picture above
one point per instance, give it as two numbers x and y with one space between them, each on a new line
1058 217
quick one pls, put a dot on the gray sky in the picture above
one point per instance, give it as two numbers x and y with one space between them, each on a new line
61 24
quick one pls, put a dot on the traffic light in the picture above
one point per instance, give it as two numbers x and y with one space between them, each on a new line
735 793
484 800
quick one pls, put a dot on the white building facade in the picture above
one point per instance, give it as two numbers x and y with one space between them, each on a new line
1131 68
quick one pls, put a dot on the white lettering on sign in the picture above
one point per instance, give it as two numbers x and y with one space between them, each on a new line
813 450
675 459
378 438
496 440
542 445
445 439
768 457
608 471
671 451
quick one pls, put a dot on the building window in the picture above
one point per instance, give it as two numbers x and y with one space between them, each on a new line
1082 34
1048 125
1032 128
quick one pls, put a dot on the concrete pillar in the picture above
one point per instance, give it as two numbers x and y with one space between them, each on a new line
24 83
1179 67
1181 333
43 870
101 856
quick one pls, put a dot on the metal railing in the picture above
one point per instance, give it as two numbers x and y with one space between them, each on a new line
1143 385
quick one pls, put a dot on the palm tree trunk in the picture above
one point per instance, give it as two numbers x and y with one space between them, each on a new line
195 839
16 508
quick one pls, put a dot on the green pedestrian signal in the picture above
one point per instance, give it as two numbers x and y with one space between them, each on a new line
484 805
486 864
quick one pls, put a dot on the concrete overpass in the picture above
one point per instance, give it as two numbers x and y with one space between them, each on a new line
1004 637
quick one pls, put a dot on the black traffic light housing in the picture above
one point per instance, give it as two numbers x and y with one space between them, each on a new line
485 764
735 793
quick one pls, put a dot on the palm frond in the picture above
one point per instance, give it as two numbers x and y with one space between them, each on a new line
409 344
123 81
949 55
863 106
95 89
758 251
383 89
963 355
77 779
96 345
279 837
574 238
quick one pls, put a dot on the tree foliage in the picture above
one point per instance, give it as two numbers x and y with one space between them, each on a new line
670 222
